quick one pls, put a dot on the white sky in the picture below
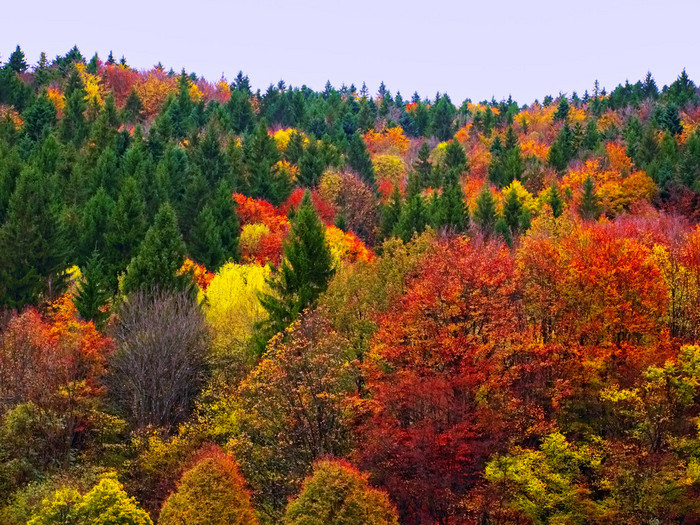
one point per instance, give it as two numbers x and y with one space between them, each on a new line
468 49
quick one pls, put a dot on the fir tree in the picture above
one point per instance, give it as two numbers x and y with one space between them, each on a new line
159 257
205 240
555 200
304 274
360 161
32 243
485 212
391 213
562 112
17 63
92 294
589 208
512 210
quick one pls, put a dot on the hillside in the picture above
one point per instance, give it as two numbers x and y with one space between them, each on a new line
228 305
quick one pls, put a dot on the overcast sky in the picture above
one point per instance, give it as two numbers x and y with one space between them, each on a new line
468 49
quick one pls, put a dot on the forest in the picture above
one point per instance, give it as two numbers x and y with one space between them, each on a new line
221 305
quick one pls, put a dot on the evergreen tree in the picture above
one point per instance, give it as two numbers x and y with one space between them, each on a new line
74 128
126 229
133 108
562 112
39 118
555 200
360 161
455 157
591 139
589 208
562 151
17 63
422 166
413 219
443 114
32 244
295 147
205 240
93 292
159 257
226 217
512 211
260 153
502 230
485 212
304 274
311 165
95 221
391 213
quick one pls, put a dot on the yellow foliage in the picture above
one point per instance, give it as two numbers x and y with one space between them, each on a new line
7 112
608 120
55 96
251 235
389 168
391 141
93 89
532 148
290 171
232 307
282 138
525 197
330 185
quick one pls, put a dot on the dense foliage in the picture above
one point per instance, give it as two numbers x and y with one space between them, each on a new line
220 305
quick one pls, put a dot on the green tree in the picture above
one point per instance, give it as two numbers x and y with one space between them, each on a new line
485 212
359 159
306 269
17 63
562 112
159 257
443 114
338 494
92 293
106 503
589 208
32 243
555 200
205 240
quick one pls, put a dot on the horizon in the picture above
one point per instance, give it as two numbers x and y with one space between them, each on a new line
464 49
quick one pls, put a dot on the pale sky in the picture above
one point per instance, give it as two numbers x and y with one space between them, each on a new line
468 49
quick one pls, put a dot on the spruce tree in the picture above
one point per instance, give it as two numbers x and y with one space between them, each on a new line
485 212
512 210
159 257
360 161
311 165
555 200
93 291
32 243
414 218
562 112
589 208
391 213
306 270
205 240
17 63
563 149
422 165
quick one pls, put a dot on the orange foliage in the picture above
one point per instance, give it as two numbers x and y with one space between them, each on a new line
618 159
391 141
154 89
325 210
252 211
200 274
345 246
121 80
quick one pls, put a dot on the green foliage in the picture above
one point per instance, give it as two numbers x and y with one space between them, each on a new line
92 293
589 208
337 494
306 269
484 215
105 503
159 257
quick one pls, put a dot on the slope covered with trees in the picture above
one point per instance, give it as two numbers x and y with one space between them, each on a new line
221 305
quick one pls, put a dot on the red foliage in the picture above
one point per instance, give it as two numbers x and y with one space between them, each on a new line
325 210
121 81
425 436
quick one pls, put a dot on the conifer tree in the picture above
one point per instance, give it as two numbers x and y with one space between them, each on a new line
589 208
391 213
360 161
413 219
17 63
93 291
32 245
159 257
562 112
512 211
555 200
304 274
485 212
422 165
205 240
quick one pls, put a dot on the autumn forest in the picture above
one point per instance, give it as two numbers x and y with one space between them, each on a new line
226 305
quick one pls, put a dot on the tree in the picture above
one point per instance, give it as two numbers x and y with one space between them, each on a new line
212 492
17 63
92 292
422 433
106 502
555 200
485 212
338 494
306 269
589 207
562 112
290 411
32 244
360 161
160 365
442 118
159 257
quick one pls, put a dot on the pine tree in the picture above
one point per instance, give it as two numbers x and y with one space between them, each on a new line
422 165
360 161
555 200
562 112
159 257
563 150
391 213
311 165
485 212
93 292
74 128
32 243
589 208
512 211
414 218
17 63
205 240
443 113
304 274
